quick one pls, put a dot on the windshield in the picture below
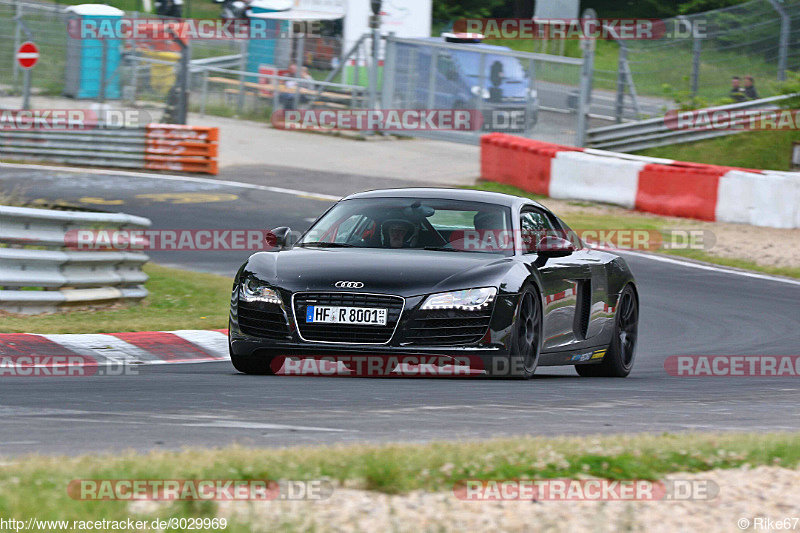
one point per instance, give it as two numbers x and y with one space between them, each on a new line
507 69
414 223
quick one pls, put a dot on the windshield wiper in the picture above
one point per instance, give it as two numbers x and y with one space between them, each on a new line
441 249
327 245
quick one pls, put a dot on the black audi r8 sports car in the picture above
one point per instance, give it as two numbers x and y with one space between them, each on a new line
492 279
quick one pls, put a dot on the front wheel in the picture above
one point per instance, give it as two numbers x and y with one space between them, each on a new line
621 351
526 344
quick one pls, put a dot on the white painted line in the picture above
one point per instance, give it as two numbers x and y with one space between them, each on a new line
712 268
257 425
102 347
169 177
213 342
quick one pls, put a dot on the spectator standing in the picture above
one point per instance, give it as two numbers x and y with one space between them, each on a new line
750 88
737 91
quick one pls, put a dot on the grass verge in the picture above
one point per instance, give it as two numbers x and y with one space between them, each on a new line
178 299
36 486
634 220
754 149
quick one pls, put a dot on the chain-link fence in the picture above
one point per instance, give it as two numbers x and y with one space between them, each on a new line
533 95
46 25
704 51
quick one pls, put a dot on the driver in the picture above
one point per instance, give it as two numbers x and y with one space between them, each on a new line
399 233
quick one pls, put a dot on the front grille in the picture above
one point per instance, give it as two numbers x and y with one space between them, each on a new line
261 319
345 333
448 326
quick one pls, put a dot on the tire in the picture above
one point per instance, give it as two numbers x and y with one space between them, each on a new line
526 344
255 365
621 351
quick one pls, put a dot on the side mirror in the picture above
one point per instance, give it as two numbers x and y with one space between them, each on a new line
279 238
551 246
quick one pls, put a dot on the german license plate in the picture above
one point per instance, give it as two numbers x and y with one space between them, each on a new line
367 316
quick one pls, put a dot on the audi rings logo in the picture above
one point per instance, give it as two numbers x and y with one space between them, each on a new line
348 284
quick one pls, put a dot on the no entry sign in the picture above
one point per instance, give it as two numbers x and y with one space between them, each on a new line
27 54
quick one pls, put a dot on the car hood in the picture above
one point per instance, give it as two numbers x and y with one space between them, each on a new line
402 272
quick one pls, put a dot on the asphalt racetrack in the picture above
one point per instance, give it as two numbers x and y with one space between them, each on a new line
685 310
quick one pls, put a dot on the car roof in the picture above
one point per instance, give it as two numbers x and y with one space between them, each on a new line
479 46
472 195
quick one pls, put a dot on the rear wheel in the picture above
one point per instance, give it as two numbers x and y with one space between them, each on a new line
621 351
526 344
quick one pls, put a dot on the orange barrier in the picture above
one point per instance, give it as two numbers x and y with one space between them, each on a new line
181 148
680 191
517 161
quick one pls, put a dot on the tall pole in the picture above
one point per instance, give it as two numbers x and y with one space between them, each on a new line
586 84
783 51
374 24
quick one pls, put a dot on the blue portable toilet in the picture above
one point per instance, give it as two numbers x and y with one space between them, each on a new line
85 69
272 51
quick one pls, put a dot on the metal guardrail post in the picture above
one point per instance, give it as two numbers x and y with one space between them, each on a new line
205 92
783 52
299 68
697 47
103 70
621 81
389 66
184 81
529 124
587 70
481 84
242 69
17 41
431 103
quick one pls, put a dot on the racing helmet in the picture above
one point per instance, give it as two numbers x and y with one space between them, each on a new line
410 237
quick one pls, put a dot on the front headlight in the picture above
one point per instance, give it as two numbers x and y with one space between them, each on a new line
467 300
253 290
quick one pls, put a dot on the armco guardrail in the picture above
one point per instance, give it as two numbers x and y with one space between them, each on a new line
661 186
633 136
39 274
154 147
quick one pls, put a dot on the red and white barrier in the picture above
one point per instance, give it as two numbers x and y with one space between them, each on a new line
661 186
140 347
613 182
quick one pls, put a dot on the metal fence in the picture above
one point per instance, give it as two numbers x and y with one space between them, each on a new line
640 135
153 147
759 38
38 273
534 95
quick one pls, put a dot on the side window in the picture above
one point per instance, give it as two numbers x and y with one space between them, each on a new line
446 67
534 225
